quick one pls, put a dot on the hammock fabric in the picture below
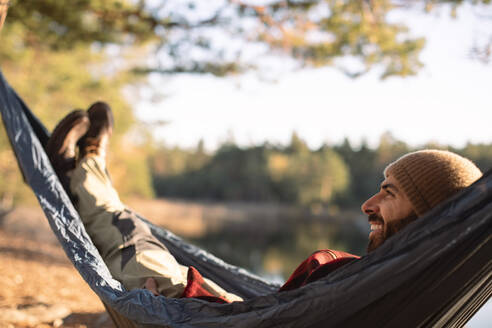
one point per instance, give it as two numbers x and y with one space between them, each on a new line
437 272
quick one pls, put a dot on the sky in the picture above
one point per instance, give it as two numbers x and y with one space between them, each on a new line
448 102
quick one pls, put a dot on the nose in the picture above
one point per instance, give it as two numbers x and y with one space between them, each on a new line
370 206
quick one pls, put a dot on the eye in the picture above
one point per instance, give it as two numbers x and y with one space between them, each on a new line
389 192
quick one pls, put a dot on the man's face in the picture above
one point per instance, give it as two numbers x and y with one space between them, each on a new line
389 211
4 6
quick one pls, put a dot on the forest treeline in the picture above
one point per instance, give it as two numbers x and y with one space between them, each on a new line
340 175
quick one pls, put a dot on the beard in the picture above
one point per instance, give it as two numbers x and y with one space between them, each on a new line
388 229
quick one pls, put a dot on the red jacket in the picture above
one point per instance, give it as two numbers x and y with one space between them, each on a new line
316 266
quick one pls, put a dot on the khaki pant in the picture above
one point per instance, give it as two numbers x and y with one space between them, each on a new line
126 244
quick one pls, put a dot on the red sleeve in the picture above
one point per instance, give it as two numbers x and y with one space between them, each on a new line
195 287
316 266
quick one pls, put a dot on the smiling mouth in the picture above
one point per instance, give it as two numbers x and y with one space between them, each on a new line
376 223
376 227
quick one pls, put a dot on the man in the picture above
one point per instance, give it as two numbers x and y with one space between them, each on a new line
413 184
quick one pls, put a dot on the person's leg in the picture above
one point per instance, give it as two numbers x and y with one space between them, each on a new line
124 241
131 252
126 244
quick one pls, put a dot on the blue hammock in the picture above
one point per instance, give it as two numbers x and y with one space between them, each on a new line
437 272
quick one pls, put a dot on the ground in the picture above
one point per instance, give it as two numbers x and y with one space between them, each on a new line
39 285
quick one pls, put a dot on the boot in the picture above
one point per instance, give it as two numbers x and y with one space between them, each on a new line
101 128
61 147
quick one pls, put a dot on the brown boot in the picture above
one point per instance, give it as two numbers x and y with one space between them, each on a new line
61 147
97 137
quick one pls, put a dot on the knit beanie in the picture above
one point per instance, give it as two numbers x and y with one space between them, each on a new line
428 177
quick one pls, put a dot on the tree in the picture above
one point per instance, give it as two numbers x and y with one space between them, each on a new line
365 174
297 145
480 154
48 56
183 36
389 149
